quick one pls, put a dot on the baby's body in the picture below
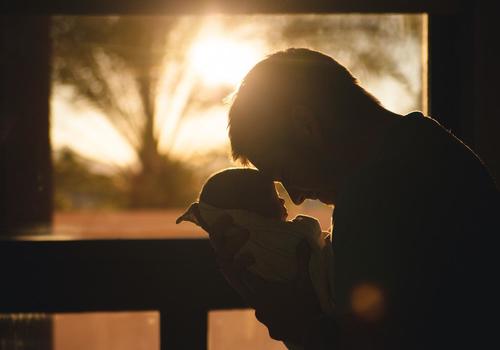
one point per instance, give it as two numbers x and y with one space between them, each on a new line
253 203
273 244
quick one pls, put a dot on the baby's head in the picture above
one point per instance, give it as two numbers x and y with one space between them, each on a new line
245 189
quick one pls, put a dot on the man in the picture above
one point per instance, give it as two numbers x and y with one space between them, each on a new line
414 211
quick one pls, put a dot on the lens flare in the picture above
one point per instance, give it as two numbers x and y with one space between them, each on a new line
367 301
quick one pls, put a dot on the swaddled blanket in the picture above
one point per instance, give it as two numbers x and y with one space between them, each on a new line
273 244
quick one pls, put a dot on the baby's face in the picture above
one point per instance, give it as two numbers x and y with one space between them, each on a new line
275 205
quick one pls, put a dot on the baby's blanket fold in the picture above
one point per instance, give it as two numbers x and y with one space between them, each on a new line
273 244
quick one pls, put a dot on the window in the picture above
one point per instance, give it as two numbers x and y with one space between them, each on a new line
138 114
139 119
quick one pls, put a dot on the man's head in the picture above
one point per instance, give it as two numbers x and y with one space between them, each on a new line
294 116
246 189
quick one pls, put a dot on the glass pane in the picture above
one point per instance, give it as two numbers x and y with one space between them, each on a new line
29 331
238 329
81 331
138 114
107 331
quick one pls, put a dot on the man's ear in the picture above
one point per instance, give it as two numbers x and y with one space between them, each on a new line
305 124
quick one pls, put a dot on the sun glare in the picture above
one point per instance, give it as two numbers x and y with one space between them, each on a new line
219 60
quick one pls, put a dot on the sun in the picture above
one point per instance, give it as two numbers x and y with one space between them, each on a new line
220 60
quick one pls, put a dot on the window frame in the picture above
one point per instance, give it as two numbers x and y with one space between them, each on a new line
51 275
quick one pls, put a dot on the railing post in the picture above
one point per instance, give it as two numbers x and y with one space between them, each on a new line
183 329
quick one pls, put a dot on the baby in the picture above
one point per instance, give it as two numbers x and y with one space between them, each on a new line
253 203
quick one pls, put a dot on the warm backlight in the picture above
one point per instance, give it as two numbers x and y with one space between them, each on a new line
221 60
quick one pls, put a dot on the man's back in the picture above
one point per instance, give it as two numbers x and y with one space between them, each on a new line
415 226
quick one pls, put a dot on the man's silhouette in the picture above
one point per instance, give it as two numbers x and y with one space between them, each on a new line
414 218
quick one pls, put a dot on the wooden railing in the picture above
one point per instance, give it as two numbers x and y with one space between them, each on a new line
178 278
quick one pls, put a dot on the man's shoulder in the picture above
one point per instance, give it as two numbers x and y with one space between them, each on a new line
420 152
450 160
424 172
427 137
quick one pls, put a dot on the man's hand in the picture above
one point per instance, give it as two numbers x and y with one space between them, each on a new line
287 309
227 239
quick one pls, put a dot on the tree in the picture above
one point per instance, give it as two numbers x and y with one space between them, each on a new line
376 45
123 66
79 187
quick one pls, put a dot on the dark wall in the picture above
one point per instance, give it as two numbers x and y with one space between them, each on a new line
486 85
463 76
25 179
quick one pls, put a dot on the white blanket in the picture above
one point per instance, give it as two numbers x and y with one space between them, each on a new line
273 244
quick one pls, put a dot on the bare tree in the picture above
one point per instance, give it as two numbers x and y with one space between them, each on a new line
119 66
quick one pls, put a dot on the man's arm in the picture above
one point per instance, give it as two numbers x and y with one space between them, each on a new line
290 311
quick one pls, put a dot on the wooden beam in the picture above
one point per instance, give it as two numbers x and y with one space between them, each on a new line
183 329
25 156
176 7
111 275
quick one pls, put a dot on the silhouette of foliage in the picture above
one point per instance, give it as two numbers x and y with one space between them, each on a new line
78 187
116 64
369 43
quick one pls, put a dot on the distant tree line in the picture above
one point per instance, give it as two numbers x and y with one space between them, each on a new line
115 65
79 185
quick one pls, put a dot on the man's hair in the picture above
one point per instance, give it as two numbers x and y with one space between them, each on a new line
295 77
238 188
